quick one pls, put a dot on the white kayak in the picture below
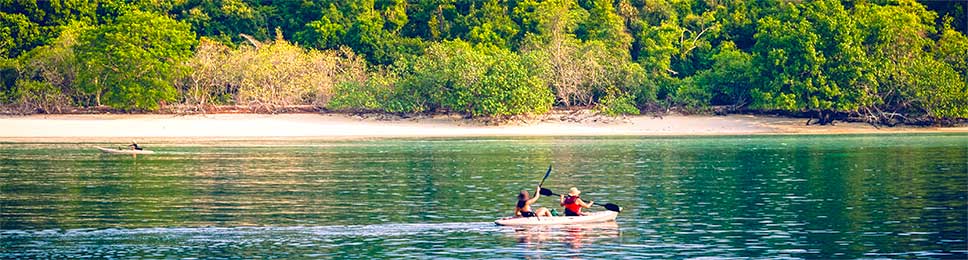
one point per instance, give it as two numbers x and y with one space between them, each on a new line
123 151
593 217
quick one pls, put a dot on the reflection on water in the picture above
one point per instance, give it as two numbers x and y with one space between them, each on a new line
306 241
572 236
899 196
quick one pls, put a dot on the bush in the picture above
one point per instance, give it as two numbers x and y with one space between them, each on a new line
622 104
208 78
729 79
270 77
354 96
474 80
276 76
9 72
691 95
32 96
938 89
629 78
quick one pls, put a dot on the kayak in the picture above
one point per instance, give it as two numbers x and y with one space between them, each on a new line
123 151
594 217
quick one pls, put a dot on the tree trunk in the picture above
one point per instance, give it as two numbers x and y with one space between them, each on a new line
824 117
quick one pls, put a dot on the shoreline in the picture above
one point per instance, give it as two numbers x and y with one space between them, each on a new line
73 128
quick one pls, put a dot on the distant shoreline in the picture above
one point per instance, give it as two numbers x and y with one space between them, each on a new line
332 126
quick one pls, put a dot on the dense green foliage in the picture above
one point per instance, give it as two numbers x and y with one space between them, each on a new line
475 80
133 60
455 76
880 60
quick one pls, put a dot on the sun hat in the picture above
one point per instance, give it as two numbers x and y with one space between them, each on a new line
573 191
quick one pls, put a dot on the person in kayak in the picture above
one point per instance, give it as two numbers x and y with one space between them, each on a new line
523 209
134 145
573 203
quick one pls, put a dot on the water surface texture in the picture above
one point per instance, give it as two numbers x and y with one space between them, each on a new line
871 196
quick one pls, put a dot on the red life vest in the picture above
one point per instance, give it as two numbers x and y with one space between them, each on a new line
571 203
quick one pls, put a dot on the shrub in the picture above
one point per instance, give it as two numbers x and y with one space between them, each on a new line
32 96
270 77
9 72
355 96
474 80
691 95
618 104
207 79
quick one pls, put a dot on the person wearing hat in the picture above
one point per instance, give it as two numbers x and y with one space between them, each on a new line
134 145
573 203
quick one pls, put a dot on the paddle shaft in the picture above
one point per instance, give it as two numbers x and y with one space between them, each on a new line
608 206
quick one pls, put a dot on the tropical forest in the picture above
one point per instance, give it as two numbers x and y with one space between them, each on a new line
883 62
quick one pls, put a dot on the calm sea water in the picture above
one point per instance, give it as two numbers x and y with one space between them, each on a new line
893 196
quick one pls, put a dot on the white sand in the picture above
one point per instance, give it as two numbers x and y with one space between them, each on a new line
75 128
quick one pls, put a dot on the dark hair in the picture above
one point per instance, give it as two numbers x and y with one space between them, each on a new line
522 198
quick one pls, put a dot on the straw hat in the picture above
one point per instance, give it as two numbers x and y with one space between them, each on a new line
573 191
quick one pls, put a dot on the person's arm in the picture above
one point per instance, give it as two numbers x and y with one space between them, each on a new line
585 205
562 200
537 194
517 211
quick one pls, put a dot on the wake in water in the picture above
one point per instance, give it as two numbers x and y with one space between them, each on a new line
428 239
341 230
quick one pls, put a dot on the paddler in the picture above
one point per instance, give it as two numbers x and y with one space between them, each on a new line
134 146
573 203
523 209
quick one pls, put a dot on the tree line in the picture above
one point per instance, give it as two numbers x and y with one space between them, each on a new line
883 61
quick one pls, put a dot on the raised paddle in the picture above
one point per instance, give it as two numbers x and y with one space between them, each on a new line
546 176
608 206
542 182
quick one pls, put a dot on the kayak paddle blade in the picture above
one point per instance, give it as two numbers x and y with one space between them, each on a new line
546 192
546 176
613 207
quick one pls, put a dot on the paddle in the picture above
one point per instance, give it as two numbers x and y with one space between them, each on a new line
546 176
608 206
542 182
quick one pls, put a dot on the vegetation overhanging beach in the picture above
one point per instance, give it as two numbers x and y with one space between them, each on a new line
881 62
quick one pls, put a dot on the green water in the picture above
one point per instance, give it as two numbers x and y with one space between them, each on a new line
896 196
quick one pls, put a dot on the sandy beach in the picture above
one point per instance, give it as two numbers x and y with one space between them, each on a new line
147 127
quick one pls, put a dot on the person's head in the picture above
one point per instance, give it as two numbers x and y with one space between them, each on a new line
574 192
523 195
133 142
